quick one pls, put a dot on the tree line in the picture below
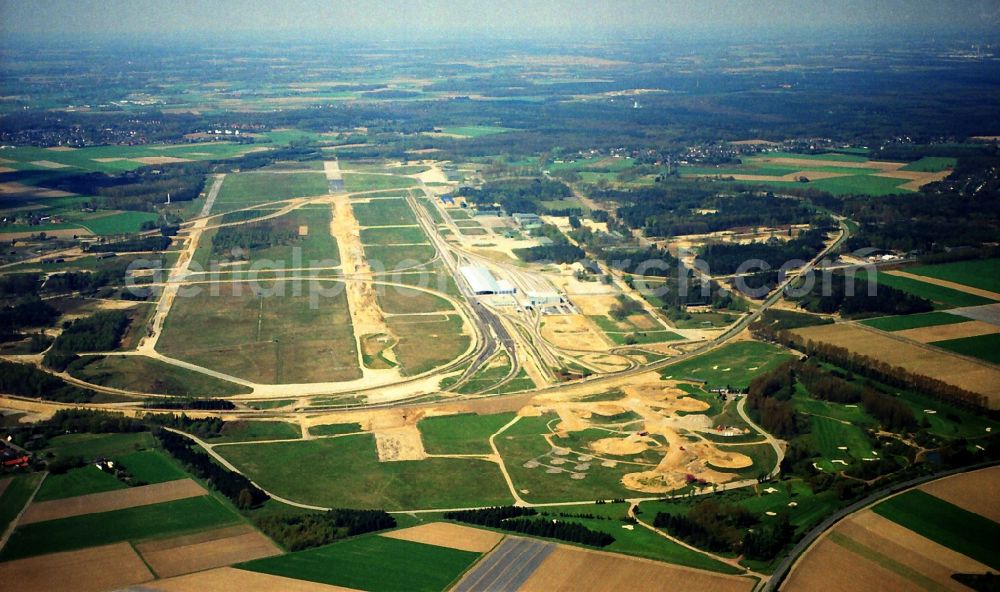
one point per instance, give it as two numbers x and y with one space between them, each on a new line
28 381
517 519
296 532
828 297
232 485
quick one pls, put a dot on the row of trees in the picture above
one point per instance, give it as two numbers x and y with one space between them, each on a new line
232 485
883 372
149 243
851 296
303 531
516 519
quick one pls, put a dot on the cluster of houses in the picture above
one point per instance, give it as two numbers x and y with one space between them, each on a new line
12 456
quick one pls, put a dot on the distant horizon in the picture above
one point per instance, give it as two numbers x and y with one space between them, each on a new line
59 21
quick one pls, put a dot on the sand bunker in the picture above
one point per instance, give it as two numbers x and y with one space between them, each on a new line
632 444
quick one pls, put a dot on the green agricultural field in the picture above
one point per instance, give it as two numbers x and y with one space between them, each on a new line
117 158
105 222
151 466
940 294
372 562
389 258
931 164
461 434
384 212
978 273
78 481
93 446
946 524
345 472
91 530
410 235
291 333
247 431
734 364
824 156
914 321
400 300
860 184
241 190
355 182
414 331
147 375
984 347
15 496
639 541
475 131
334 429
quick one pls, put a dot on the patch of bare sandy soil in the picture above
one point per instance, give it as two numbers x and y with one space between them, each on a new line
974 376
112 500
160 159
401 443
573 332
977 491
109 567
453 536
228 579
953 331
568 569
205 550
826 564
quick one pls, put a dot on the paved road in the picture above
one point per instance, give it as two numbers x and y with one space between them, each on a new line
507 568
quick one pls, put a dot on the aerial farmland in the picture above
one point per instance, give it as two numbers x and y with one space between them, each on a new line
429 297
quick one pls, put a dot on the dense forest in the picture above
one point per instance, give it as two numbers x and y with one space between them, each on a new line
517 195
727 258
855 296
303 531
28 381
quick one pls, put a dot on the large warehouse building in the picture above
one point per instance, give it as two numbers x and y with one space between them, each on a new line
482 282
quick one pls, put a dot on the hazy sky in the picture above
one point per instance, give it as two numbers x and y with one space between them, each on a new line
507 18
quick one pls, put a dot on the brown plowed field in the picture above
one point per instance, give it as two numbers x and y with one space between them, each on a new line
228 579
917 553
112 500
205 550
832 568
972 376
976 492
89 570
453 536
569 569
953 331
